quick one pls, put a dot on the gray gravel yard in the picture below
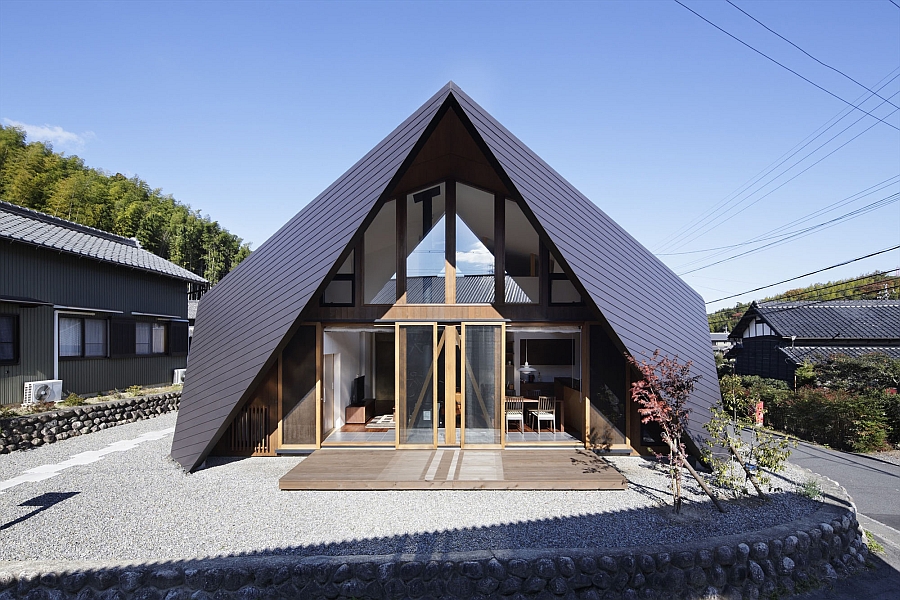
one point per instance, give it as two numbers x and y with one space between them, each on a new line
139 505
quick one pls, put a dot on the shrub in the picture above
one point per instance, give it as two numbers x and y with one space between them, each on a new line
836 418
73 400
39 407
134 390
7 412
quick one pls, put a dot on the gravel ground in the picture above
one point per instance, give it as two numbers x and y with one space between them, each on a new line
139 505
891 456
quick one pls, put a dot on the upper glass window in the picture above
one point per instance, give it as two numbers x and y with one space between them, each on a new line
380 257
474 245
523 251
426 246
340 290
150 338
562 290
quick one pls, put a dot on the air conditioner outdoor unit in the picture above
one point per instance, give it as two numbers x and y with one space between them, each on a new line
179 376
49 390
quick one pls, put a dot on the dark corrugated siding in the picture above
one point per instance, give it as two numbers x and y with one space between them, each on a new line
67 280
244 318
35 351
90 376
647 305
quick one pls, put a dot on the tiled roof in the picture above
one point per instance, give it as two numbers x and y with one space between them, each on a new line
833 320
35 228
799 354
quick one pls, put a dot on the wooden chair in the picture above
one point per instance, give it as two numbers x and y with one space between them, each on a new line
515 412
546 411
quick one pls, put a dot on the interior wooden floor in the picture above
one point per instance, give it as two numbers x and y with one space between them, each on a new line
442 469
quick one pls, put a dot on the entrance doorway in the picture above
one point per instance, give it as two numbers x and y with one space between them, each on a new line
450 382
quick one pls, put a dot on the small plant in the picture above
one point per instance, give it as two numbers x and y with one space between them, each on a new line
662 394
810 488
134 390
73 399
873 544
39 407
7 413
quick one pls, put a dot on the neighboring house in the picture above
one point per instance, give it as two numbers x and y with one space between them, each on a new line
448 277
773 338
720 342
86 307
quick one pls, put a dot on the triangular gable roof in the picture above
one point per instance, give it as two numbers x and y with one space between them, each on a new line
240 323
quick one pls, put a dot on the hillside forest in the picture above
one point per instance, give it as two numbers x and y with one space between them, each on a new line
34 176
872 286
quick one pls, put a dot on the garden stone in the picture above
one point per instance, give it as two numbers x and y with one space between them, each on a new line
683 560
759 551
790 545
342 574
587 564
545 568
638 580
487 586
756 573
147 593
717 576
472 569
386 572
608 564
322 573
589 595
566 566
366 571
580 581
496 569
742 552
519 568
725 556
697 578
602 580
411 570
102 579
416 588
131 580
166 578
663 560
534 584
460 586
704 559
177 595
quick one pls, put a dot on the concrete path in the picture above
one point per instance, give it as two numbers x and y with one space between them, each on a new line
874 485
83 458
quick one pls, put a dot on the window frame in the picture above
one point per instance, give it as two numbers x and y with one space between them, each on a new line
351 277
82 355
151 324
16 354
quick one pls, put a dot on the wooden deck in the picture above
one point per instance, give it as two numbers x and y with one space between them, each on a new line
446 469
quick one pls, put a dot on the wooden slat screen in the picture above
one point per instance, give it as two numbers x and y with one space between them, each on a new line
121 337
249 431
178 338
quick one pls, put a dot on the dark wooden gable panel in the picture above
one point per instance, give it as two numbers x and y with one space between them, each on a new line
242 320
645 303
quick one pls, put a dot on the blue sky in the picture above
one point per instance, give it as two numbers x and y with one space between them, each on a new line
248 110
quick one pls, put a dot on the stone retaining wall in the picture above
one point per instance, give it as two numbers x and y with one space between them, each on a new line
771 563
21 433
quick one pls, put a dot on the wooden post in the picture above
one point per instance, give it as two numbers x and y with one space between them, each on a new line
499 249
401 249
705 487
450 241
746 470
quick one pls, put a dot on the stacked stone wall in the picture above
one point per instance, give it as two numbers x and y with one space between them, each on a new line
765 564
30 431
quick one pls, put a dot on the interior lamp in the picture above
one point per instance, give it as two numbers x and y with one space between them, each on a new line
527 368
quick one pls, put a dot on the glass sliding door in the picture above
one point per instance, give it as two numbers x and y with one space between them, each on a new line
482 389
416 376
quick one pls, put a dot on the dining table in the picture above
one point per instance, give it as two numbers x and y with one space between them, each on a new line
560 407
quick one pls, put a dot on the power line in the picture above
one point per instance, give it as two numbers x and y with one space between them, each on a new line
778 187
760 238
895 3
801 234
891 279
786 67
846 262
836 70
711 214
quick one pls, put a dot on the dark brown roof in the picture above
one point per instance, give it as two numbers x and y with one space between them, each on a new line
241 322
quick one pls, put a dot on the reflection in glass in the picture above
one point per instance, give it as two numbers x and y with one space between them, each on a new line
523 250
426 242
380 257
483 396
416 408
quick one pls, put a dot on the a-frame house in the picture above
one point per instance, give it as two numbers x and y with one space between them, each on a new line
450 289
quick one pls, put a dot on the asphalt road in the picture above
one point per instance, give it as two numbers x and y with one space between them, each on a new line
875 487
